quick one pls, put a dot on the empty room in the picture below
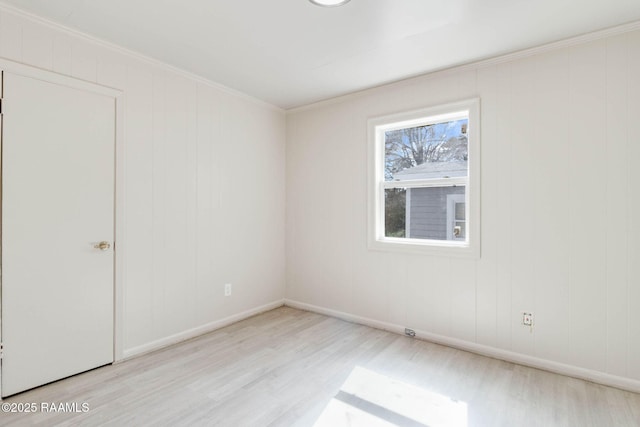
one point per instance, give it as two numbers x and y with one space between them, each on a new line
320 213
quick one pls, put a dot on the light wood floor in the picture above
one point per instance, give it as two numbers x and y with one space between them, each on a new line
283 367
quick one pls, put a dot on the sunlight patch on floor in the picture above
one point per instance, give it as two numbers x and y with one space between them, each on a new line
368 398
339 414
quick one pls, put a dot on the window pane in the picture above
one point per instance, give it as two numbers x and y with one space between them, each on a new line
460 211
432 151
395 208
431 213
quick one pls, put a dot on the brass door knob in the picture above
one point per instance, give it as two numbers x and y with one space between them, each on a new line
103 246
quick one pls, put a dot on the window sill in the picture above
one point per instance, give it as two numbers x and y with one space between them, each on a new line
425 247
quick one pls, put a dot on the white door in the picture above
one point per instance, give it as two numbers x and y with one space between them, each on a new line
57 204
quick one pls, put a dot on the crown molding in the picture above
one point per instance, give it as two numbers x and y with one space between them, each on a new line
56 26
478 64
473 65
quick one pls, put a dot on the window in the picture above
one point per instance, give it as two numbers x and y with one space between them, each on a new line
424 180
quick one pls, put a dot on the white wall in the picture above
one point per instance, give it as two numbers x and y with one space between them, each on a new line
560 209
203 200
204 181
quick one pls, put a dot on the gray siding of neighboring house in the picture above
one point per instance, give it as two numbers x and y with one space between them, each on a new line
428 212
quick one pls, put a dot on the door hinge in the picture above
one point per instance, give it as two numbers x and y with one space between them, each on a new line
1 350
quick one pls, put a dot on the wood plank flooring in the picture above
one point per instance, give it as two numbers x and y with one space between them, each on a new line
283 367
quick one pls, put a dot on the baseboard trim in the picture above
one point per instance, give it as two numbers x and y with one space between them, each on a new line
199 330
496 353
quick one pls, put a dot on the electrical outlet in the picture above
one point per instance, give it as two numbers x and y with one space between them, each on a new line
527 319
227 289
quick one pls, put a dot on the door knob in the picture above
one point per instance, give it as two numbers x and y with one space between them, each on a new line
103 246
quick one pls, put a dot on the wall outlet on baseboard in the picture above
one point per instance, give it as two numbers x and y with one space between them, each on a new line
227 289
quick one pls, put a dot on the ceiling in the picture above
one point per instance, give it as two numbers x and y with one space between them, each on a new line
291 53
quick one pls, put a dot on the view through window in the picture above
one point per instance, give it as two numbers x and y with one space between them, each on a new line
434 158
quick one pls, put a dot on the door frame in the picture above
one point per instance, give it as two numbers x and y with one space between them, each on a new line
119 159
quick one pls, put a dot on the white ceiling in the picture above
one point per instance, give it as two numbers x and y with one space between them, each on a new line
290 52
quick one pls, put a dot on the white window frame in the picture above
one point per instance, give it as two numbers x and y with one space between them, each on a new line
470 247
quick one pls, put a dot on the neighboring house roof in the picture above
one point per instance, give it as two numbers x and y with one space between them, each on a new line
430 170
